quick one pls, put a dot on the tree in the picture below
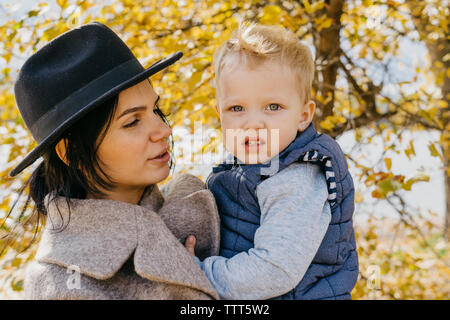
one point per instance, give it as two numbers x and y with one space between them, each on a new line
356 44
433 30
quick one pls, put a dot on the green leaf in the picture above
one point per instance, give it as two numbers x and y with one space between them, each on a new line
33 13
388 185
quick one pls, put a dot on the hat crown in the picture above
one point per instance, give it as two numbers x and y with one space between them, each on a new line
64 65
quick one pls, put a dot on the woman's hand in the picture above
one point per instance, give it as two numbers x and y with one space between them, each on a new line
190 244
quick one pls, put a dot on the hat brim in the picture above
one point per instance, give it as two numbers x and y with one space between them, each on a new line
31 157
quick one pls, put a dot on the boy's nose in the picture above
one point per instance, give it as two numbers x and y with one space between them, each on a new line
254 121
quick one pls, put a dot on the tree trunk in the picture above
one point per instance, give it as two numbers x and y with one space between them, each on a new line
327 43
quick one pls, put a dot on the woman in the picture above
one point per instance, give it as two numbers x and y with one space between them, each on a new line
109 234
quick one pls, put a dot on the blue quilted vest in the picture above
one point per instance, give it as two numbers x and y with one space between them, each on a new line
334 269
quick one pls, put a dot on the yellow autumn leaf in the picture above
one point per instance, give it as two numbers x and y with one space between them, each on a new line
388 163
62 3
410 150
325 24
317 5
377 194
442 104
359 198
420 177
7 56
327 124
433 150
194 80
307 5
271 14
443 23
438 64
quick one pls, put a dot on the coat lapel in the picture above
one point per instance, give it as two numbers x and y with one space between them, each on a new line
96 236
161 257
99 236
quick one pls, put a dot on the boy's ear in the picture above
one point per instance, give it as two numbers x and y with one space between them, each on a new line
307 115
60 149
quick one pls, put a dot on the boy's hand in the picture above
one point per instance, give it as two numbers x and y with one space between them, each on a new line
190 244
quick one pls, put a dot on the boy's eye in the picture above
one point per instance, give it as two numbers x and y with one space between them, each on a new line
273 107
236 108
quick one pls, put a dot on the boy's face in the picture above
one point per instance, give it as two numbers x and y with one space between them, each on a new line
261 110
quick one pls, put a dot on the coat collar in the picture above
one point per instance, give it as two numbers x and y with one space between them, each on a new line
99 236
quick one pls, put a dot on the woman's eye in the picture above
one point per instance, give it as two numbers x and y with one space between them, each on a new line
273 107
236 108
131 124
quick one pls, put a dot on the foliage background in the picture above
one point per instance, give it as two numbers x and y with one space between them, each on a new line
361 90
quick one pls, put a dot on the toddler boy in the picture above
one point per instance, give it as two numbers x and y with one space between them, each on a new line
286 201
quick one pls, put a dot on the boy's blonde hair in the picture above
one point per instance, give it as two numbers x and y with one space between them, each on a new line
253 44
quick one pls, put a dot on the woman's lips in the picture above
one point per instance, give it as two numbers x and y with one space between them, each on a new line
164 156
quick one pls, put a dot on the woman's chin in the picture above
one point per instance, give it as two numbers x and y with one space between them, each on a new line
160 174
148 176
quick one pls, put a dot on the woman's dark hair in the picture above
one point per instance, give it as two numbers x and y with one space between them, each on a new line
54 177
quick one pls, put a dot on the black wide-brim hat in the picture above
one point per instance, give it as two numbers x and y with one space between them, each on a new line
69 76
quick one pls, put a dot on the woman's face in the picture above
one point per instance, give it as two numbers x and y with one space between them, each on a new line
133 152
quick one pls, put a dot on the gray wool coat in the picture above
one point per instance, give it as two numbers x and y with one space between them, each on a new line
116 250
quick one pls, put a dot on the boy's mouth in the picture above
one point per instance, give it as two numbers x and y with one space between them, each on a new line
253 143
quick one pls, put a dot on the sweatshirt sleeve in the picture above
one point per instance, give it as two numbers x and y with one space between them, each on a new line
295 215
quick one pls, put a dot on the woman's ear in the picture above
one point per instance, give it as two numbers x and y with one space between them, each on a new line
60 149
307 115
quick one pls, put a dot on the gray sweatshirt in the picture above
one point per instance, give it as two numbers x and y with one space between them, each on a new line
295 215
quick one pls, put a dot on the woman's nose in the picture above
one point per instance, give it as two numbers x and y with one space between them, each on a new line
160 131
